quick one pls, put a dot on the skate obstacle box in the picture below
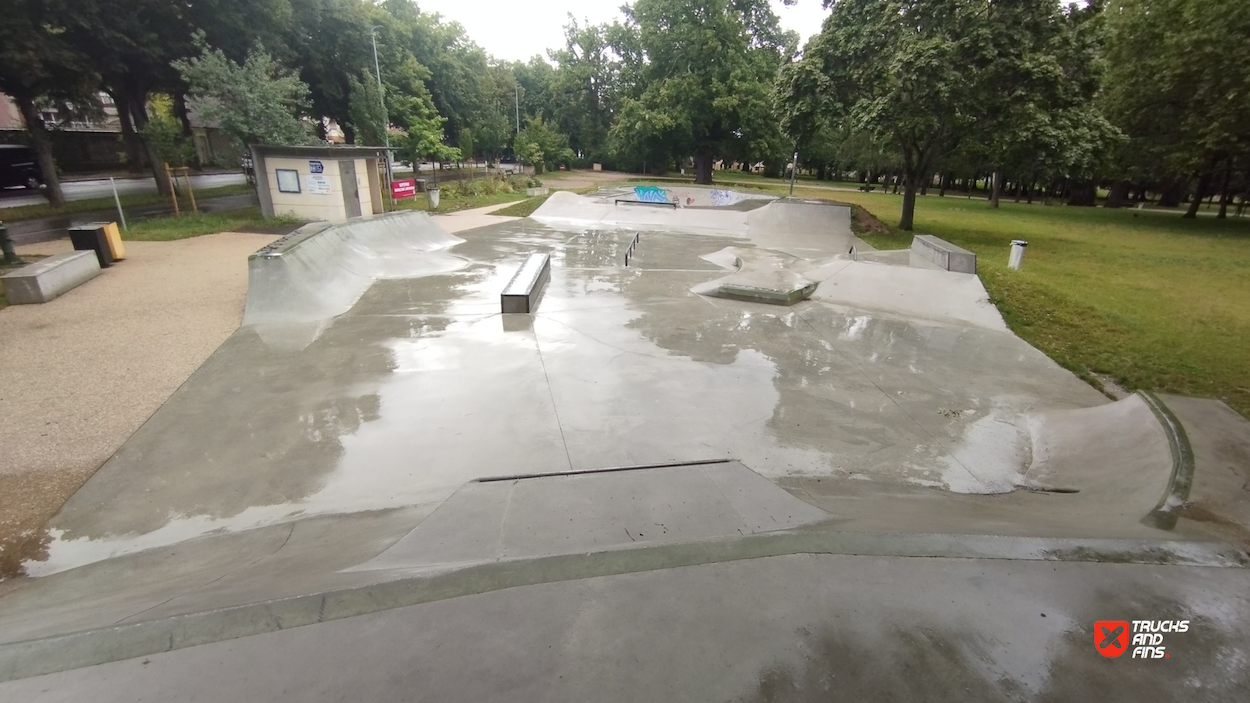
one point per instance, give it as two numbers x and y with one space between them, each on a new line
51 277
523 291
943 254
95 236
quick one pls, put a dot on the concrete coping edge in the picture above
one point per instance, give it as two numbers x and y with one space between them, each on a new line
1167 512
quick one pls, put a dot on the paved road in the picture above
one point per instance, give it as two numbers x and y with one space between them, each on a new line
99 188
48 228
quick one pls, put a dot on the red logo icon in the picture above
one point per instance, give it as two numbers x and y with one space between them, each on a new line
1111 637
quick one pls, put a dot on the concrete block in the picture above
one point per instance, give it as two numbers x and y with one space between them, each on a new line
44 280
943 254
522 292
531 192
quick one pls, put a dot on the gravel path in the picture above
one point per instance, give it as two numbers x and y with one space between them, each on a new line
80 374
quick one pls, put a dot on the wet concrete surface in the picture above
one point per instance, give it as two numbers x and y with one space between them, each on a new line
278 469
422 386
785 629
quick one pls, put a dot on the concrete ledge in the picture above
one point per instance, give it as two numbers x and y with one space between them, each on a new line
522 292
397 590
56 275
943 254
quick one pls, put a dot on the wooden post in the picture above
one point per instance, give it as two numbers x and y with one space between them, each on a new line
186 173
173 192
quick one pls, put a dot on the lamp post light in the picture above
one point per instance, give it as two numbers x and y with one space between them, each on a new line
386 119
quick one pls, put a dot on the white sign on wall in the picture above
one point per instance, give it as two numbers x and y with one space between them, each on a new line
317 185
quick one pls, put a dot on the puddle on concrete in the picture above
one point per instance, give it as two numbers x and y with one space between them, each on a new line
423 385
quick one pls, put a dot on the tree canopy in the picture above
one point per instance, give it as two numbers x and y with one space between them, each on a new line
1030 96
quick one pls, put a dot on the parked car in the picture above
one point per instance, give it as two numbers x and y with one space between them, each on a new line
19 167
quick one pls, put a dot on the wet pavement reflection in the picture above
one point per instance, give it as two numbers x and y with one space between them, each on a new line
424 385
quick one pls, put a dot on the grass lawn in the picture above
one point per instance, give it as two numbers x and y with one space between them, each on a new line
165 229
525 208
30 212
453 203
1152 300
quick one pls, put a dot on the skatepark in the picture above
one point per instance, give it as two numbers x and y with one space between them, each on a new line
730 443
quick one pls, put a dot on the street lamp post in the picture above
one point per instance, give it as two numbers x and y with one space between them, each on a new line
518 109
386 119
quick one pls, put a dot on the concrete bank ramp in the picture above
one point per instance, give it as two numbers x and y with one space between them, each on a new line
300 282
912 293
534 516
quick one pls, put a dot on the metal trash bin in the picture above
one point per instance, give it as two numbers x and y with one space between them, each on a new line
420 185
1017 254
92 237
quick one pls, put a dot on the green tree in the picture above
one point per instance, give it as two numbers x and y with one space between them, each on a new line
368 118
925 75
256 102
164 132
585 87
37 63
1177 85
540 145
700 74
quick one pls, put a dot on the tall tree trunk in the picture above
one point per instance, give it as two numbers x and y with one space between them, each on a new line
1204 182
43 150
1172 194
130 138
944 184
925 183
703 169
996 188
138 102
1224 194
183 113
909 203
1084 194
1117 195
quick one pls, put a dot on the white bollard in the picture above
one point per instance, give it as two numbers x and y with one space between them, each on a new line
1017 254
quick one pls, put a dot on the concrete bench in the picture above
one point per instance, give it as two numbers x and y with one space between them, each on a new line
943 254
522 292
44 280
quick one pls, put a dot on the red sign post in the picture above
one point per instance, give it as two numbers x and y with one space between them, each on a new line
406 188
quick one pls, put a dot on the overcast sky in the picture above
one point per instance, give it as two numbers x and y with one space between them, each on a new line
519 29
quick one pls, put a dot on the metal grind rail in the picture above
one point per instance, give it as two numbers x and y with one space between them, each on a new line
644 202
629 250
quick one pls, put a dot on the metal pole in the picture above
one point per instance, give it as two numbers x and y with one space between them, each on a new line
120 215
517 95
386 119
794 171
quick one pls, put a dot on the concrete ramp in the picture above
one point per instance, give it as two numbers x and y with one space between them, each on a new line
298 283
535 516
802 228
913 293
1119 459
